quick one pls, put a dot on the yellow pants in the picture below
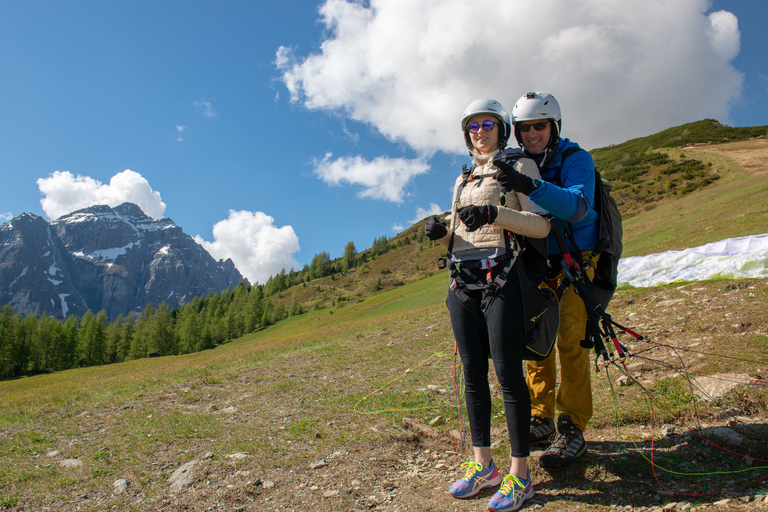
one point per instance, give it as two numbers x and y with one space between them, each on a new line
574 396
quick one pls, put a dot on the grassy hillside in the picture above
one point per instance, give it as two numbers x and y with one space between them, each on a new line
308 414
644 173
683 187
689 185
405 263
734 204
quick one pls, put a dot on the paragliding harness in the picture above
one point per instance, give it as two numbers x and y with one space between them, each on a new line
541 307
596 293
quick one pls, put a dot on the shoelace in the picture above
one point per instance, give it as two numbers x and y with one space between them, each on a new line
561 441
472 468
508 485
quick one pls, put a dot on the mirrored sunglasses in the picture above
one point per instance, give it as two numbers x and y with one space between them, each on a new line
485 125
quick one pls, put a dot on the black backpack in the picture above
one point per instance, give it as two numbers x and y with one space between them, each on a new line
541 309
609 244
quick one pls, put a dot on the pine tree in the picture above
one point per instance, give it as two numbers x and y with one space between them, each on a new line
350 257
206 339
69 357
140 340
8 330
163 338
22 350
189 330
114 340
93 339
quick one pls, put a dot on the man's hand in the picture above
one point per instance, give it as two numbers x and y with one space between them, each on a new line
511 179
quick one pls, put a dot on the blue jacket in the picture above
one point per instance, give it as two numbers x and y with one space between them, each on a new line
572 200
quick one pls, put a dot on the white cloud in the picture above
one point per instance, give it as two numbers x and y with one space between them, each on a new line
5 217
382 178
724 35
396 228
422 213
620 68
180 128
284 57
64 193
258 248
207 109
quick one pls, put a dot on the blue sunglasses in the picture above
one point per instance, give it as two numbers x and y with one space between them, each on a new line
485 125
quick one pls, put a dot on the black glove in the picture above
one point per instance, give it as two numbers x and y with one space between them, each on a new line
435 228
511 179
475 217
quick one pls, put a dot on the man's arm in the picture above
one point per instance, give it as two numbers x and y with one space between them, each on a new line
573 200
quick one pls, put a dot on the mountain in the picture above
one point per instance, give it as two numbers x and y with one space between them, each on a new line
115 259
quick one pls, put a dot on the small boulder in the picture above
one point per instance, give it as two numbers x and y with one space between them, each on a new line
120 485
184 476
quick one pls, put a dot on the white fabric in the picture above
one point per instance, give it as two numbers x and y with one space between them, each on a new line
742 257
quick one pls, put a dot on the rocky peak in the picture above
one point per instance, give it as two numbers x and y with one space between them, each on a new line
117 259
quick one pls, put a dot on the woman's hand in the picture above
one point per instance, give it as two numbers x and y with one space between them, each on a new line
435 228
475 217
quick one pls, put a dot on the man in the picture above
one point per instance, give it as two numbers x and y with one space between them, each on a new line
567 193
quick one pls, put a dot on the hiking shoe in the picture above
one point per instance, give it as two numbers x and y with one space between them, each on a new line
568 444
541 429
475 479
512 494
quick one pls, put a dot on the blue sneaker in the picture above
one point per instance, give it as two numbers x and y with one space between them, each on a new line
512 494
475 479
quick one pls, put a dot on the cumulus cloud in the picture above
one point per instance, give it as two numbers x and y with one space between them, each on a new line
5 217
396 228
180 128
620 69
422 213
258 248
724 34
381 178
64 193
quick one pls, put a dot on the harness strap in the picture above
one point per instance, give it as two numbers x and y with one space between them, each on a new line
459 279
484 264
491 285
598 321
466 176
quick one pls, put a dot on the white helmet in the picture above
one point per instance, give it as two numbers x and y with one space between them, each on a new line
537 105
487 106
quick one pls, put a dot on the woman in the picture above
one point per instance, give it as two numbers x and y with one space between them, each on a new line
485 301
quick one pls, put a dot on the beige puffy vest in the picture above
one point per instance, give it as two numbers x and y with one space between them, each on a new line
483 189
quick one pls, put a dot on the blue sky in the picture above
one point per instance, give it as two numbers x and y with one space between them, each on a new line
276 131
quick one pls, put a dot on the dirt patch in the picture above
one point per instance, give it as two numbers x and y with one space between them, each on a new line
750 154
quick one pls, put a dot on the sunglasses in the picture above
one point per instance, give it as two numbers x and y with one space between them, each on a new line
485 125
539 127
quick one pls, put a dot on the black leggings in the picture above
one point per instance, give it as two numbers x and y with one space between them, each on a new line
501 335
